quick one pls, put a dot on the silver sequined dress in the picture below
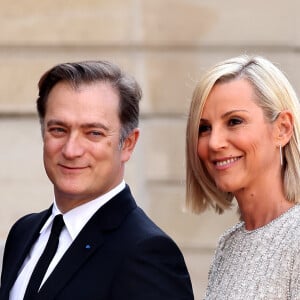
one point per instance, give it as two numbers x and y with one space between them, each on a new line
258 264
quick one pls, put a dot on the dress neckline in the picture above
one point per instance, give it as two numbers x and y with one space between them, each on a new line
271 223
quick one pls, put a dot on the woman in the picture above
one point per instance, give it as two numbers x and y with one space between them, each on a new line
243 143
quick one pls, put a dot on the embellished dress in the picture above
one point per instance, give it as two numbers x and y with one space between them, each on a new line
259 264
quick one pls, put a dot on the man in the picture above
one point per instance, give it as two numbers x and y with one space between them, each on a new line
108 248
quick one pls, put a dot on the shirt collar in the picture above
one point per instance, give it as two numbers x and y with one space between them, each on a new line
76 218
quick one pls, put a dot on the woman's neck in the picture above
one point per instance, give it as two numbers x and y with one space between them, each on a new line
259 210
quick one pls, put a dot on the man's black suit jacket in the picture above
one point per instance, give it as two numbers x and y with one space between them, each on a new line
119 254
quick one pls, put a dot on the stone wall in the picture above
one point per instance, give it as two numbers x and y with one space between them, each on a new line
166 45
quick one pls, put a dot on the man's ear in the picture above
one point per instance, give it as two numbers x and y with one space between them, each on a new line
129 144
285 126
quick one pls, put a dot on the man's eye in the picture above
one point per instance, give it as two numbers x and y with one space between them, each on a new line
56 130
95 133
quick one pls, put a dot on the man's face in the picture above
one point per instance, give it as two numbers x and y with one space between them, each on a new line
82 155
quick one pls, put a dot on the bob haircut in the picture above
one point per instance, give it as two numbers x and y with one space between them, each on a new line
274 94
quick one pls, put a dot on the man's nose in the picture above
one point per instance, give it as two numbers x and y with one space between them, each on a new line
73 147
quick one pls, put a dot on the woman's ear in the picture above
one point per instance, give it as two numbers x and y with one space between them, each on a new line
284 126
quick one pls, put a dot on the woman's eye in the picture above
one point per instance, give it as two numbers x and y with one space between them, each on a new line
203 129
235 121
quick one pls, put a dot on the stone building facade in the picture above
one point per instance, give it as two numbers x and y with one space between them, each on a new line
166 45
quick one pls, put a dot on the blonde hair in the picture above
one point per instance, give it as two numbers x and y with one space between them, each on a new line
274 94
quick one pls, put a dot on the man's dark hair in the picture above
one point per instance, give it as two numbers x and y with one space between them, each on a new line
88 72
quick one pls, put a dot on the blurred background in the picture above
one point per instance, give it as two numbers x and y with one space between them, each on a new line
166 45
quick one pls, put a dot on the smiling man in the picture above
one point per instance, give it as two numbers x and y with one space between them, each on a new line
94 242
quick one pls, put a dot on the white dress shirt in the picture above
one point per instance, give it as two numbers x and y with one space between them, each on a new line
75 220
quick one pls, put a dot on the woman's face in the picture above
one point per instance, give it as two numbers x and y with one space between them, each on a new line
236 143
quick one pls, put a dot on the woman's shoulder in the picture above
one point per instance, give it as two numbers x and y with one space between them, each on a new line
232 230
230 233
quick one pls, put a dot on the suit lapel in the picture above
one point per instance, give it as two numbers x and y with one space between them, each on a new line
23 245
89 240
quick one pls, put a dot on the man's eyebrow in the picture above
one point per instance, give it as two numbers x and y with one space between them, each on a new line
85 125
95 125
55 122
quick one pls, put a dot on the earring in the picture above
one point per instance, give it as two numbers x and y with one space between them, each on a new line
280 151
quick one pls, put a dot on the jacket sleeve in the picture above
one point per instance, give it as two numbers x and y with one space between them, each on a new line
154 270
9 253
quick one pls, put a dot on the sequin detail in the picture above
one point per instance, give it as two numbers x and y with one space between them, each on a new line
259 264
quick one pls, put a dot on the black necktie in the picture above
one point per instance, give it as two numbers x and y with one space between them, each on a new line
45 259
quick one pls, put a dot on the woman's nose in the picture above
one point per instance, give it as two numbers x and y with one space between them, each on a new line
217 139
